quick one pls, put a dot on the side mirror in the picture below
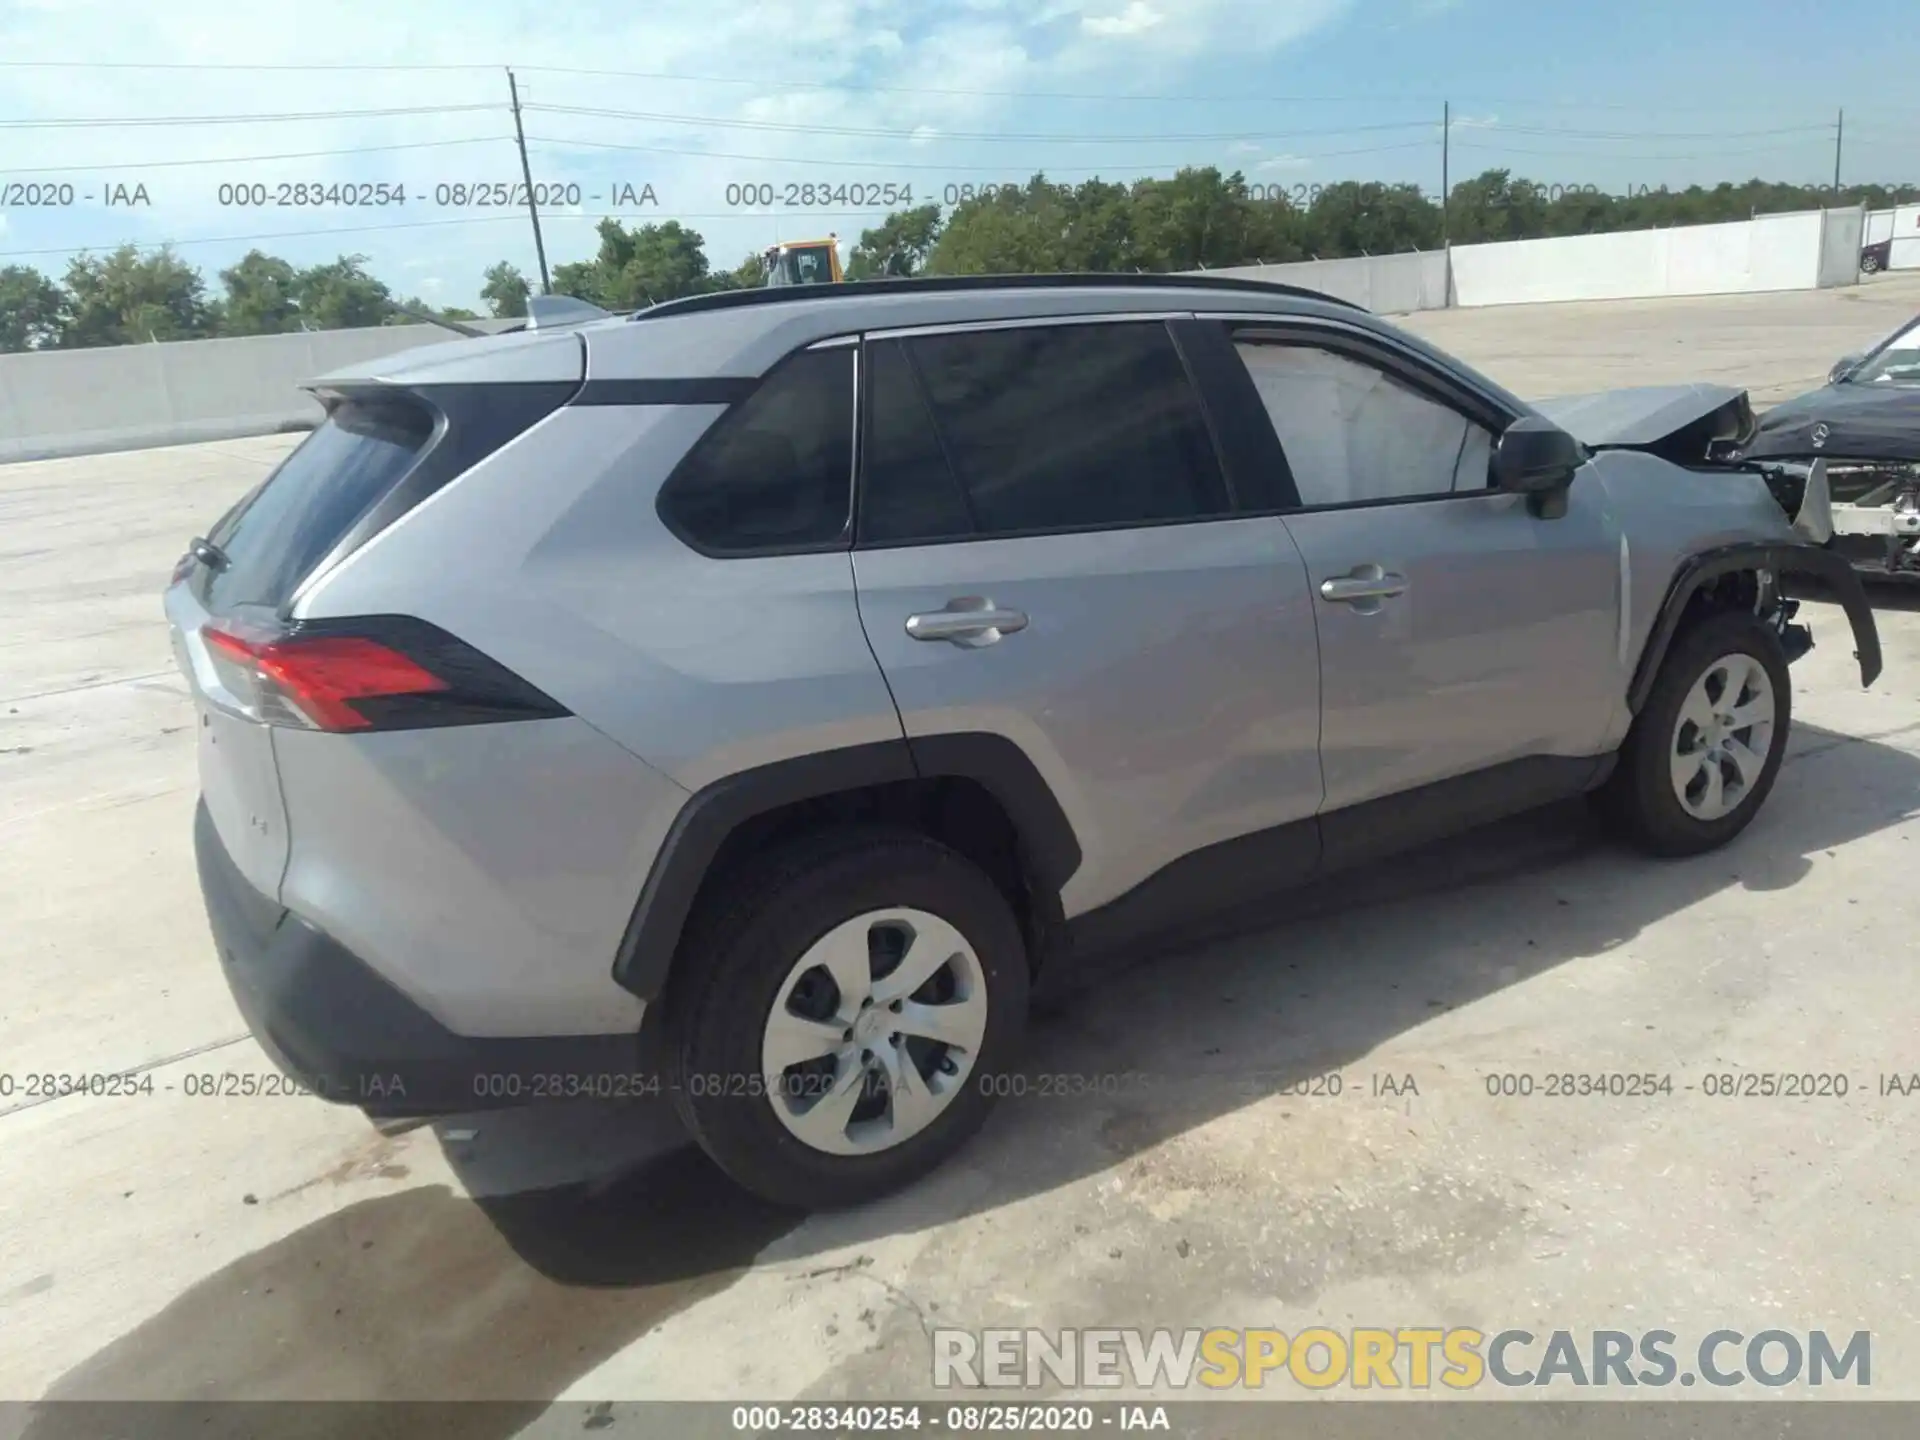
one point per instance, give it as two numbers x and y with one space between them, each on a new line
1536 458
1844 367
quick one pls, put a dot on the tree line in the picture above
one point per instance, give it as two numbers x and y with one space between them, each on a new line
1198 218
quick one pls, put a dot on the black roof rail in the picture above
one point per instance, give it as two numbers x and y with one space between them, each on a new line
930 284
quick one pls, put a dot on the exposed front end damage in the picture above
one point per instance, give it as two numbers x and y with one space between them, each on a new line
1733 548
1755 575
1873 508
1701 428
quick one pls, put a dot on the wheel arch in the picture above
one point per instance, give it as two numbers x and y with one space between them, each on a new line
1699 575
977 791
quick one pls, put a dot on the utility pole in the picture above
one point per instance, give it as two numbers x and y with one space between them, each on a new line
1446 136
1839 134
526 173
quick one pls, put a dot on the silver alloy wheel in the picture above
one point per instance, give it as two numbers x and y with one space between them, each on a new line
1723 737
874 1032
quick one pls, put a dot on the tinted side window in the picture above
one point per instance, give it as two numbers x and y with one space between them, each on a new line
1067 427
908 491
1352 433
776 471
280 532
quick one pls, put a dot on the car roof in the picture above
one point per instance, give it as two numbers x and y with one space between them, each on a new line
744 333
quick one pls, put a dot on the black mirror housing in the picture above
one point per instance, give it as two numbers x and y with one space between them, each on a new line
1536 458
1843 367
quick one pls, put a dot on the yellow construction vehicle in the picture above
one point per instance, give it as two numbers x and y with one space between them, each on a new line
804 262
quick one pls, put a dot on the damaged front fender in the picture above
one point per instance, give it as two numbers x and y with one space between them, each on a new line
1767 558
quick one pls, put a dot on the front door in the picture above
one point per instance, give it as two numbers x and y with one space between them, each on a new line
1458 631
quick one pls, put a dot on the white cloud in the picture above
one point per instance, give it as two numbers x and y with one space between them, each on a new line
946 71
1476 122
1284 162
1138 18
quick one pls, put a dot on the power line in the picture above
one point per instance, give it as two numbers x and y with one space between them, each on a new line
792 214
1406 98
928 134
1647 134
152 121
1586 156
259 159
223 65
270 235
893 165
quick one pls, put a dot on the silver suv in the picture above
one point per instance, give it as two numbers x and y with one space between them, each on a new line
796 676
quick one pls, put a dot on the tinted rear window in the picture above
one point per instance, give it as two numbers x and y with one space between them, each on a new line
276 537
776 471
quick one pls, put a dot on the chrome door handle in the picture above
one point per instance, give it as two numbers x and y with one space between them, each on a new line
1363 583
968 621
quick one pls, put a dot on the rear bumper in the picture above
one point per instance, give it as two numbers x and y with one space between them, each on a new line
332 1023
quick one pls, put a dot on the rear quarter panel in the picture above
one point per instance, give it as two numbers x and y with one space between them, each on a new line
487 871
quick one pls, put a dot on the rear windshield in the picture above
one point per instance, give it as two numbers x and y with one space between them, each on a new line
276 536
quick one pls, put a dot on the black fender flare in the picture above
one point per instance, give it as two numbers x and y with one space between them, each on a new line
1050 849
1779 558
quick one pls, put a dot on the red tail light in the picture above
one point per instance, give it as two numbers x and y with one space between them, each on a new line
383 673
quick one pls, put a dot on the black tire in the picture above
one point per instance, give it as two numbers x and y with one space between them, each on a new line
1638 800
736 958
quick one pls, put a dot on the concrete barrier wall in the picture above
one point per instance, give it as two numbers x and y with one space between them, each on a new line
1384 284
78 402
1842 232
1772 252
128 397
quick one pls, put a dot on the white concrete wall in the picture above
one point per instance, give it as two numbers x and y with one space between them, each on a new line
129 397
1773 252
1842 233
1384 284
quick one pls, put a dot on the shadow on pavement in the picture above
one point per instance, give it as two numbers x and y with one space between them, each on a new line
589 1226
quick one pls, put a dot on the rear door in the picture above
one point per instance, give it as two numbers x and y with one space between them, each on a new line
1460 634
1046 550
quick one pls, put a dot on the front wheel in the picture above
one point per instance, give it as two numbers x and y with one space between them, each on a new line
1707 745
840 1024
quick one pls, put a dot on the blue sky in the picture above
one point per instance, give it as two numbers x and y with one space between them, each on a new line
697 98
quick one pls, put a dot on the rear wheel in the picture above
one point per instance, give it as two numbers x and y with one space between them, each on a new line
1705 749
841 1027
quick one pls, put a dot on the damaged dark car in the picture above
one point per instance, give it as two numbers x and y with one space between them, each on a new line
1861 431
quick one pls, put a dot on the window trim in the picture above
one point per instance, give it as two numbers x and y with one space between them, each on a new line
1469 403
840 543
1026 322
1167 321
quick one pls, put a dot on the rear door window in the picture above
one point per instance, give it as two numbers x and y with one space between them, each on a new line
1044 428
275 538
775 473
